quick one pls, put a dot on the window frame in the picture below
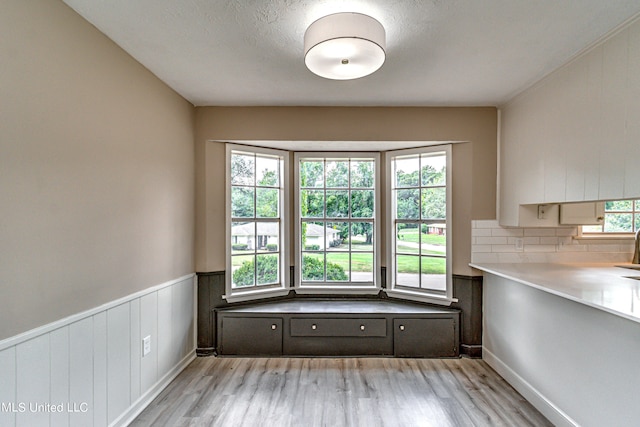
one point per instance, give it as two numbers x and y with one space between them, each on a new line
634 212
329 288
257 292
399 291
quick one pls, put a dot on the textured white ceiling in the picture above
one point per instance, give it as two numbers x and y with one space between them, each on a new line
439 52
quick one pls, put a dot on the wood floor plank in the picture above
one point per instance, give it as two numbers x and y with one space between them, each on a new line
337 392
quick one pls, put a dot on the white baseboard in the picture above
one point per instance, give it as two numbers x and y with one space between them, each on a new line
145 400
537 399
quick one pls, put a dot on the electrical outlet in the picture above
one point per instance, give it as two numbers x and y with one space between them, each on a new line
519 243
146 345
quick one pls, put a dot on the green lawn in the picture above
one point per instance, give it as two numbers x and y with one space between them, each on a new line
409 264
411 235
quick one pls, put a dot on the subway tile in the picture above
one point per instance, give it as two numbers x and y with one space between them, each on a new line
481 248
573 231
507 232
548 240
504 248
481 232
491 240
604 248
484 257
539 248
539 232
484 223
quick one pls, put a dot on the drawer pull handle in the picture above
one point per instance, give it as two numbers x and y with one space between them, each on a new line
314 327
402 327
274 327
362 327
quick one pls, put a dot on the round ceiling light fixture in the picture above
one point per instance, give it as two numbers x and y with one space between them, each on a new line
344 46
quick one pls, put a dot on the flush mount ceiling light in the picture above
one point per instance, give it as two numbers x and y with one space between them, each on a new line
344 46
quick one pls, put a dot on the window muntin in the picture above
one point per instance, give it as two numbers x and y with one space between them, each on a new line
420 220
256 219
620 216
337 230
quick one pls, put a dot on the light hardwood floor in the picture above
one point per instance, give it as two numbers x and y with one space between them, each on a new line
279 392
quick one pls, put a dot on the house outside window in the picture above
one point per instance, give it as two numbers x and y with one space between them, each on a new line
419 229
620 217
337 209
257 203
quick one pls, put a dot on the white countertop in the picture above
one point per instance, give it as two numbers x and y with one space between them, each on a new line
602 286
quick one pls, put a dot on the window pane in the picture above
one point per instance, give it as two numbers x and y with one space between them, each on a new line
362 267
618 205
361 236
242 202
267 270
338 267
313 236
362 174
312 203
338 239
637 227
407 171
407 270
434 203
242 169
434 169
312 267
268 239
433 239
243 271
267 202
433 275
362 203
337 204
312 174
268 171
618 223
242 237
337 174
407 238
408 204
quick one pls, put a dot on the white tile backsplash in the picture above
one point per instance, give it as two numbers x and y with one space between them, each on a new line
492 243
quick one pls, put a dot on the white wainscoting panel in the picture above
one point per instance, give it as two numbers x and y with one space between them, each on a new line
118 361
59 344
99 369
8 389
149 327
33 381
81 372
88 369
136 349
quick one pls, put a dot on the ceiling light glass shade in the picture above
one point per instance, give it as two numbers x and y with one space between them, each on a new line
344 46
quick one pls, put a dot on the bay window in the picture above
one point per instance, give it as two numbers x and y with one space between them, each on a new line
256 220
337 221
419 221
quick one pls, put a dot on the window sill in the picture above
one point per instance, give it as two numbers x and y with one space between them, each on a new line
255 295
420 297
612 238
336 290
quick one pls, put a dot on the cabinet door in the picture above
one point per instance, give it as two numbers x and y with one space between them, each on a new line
591 213
430 337
251 336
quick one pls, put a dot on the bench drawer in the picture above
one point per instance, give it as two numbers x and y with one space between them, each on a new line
338 327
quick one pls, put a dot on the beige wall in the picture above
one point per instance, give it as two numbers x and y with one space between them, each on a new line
96 170
474 162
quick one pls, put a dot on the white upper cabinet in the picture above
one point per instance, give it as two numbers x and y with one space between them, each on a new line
575 136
